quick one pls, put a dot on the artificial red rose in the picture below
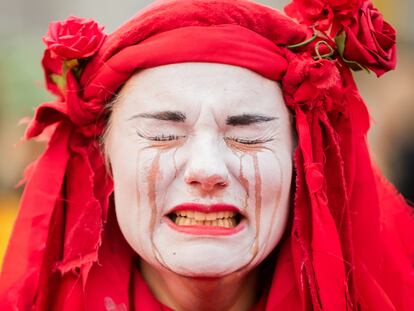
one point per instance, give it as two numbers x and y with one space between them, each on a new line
370 41
74 38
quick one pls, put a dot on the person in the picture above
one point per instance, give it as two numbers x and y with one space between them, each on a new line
211 155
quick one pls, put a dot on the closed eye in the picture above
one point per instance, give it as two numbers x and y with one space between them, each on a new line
248 141
161 137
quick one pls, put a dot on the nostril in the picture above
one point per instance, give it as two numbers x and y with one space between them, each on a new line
190 180
207 182
208 186
222 184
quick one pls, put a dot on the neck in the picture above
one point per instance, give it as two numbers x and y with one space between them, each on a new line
233 292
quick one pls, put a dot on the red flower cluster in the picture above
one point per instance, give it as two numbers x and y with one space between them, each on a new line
74 38
311 83
67 42
322 12
369 41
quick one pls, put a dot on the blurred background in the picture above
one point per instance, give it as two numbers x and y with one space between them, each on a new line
24 22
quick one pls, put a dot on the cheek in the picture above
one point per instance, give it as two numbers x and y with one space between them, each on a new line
127 193
140 190
135 174
275 171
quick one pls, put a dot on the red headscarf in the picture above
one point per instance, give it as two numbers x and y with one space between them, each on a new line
349 246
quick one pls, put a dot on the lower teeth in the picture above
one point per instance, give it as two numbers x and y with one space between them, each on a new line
225 223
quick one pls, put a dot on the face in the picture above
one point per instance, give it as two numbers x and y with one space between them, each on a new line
201 156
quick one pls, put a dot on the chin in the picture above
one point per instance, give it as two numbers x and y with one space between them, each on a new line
212 266
203 257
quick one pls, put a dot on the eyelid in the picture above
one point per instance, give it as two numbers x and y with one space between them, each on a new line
248 141
161 138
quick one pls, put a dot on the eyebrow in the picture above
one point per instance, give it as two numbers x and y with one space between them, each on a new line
174 116
177 116
247 119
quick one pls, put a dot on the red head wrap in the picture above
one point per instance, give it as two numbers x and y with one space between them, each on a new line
349 244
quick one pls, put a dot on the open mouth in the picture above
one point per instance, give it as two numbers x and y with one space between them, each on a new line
223 219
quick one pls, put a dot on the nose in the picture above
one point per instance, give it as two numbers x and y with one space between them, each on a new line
206 182
206 168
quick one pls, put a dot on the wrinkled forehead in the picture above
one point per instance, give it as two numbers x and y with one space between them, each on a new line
193 86
240 33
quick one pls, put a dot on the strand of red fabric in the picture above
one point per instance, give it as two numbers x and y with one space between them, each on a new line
333 257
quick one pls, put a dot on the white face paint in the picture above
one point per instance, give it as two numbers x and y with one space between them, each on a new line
215 141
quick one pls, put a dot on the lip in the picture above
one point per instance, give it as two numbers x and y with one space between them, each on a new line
206 230
204 208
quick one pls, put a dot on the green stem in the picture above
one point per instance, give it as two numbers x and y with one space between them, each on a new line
294 46
323 56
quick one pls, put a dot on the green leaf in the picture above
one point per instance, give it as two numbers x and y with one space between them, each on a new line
340 43
71 63
60 81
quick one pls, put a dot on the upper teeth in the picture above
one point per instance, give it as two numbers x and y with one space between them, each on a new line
206 216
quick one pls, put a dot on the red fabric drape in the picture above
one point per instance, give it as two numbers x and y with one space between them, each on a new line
350 242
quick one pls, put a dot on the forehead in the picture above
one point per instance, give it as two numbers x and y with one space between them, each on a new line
191 87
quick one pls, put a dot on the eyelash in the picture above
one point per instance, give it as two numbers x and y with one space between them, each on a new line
235 139
247 141
160 137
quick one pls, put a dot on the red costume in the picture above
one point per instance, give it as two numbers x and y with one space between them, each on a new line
349 245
